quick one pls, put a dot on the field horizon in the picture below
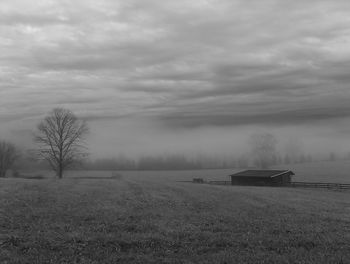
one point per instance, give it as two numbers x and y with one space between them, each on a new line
325 171
154 219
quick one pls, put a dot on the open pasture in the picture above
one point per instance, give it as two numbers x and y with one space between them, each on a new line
335 171
134 219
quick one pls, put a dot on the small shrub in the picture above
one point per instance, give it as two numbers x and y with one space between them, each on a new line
16 174
37 176
32 176
198 180
117 176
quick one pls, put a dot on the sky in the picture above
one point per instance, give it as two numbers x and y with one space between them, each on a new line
159 76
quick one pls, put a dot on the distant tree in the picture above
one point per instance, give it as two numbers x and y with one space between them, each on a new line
242 162
169 162
286 159
224 165
274 159
60 138
256 162
294 148
309 158
332 156
263 149
8 155
347 156
302 158
233 163
279 159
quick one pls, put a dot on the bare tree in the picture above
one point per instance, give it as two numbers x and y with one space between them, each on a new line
263 149
61 139
8 155
294 149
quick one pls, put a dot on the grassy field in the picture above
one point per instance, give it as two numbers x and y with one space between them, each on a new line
326 171
153 219
335 171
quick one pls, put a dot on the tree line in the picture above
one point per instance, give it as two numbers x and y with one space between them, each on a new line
61 143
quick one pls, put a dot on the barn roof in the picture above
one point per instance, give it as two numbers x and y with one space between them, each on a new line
261 173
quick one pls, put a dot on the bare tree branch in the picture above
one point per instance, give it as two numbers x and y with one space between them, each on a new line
263 149
60 138
8 155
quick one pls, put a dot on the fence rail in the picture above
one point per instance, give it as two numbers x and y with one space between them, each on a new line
326 185
220 182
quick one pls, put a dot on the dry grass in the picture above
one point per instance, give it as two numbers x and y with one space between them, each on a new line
145 220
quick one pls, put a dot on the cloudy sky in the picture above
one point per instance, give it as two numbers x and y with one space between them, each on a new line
185 75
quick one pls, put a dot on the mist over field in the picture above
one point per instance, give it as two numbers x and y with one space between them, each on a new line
136 137
174 131
143 137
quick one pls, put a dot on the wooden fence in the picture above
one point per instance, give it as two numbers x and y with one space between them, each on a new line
220 182
325 185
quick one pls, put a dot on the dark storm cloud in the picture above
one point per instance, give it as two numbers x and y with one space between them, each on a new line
184 63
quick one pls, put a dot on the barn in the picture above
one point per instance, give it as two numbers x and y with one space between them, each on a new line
262 177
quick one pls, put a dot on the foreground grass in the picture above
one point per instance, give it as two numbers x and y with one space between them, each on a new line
134 221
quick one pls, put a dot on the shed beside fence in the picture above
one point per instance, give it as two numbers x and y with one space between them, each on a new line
262 177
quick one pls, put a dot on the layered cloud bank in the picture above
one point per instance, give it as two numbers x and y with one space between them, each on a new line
178 65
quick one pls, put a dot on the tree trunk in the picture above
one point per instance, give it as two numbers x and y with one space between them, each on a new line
3 173
60 171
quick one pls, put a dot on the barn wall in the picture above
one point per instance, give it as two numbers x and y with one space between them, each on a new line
282 179
259 181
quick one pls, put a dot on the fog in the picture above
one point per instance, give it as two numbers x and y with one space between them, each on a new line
136 137
156 78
